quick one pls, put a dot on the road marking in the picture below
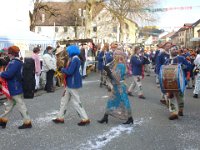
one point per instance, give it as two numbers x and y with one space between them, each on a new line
41 121
92 81
106 96
101 140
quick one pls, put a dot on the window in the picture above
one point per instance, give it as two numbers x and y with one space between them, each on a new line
127 27
43 18
56 29
115 29
39 29
65 29
95 29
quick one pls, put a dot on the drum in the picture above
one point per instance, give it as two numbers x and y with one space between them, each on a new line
172 78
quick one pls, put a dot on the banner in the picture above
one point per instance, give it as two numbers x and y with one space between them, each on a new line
153 10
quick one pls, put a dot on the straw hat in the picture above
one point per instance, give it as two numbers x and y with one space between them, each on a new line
59 50
162 45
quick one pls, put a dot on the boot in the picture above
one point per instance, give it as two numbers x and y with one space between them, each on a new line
141 97
104 119
129 93
129 121
3 122
84 122
195 96
180 112
163 101
101 85
173 116
25 125
57 120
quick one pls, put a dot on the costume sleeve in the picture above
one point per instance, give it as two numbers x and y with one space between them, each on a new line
71 68
186 64
136 61
11 70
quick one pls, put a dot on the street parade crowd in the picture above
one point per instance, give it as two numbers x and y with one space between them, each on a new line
175 70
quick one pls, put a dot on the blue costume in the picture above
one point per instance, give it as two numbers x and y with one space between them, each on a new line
118 105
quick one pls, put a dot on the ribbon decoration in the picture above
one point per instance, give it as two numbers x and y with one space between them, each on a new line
153 10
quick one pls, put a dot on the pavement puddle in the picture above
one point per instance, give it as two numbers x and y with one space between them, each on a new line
101 140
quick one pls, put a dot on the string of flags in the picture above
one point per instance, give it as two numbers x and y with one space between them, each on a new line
153 10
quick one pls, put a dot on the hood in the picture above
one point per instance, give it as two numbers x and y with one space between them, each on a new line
73 50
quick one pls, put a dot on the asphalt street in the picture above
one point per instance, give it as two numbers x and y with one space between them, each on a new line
151 130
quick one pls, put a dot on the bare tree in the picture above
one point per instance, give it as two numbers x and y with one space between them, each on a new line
132 9
40 6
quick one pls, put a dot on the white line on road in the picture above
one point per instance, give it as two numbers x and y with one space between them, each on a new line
101 140
88 82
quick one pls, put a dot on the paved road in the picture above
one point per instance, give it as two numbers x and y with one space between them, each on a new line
152 129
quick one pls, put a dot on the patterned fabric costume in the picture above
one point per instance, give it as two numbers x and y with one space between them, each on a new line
118 104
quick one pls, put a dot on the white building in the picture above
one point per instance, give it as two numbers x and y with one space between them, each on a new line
15 22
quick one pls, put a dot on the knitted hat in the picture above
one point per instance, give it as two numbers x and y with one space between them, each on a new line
73 50
13 49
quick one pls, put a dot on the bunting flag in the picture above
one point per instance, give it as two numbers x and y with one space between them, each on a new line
153 10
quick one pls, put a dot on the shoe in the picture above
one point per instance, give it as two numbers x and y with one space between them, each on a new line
84 122
109 89
25 126
173 117
189 87
58 120
104 119
130 94
141 97
100 85
180 113
163 101
50 91
3 122
129 121
195 96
